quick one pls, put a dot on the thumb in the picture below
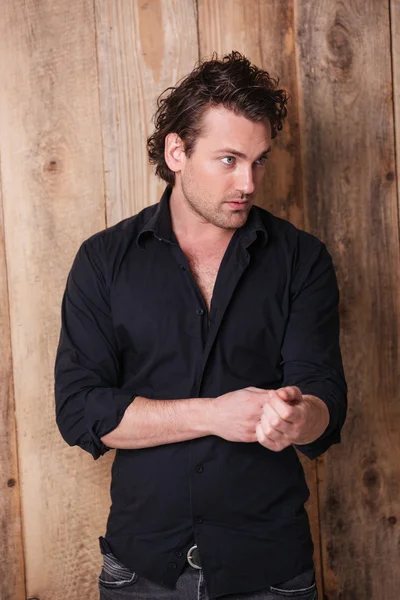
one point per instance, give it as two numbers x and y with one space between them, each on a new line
290 394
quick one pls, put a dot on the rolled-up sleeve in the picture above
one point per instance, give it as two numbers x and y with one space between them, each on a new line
311 353
89 402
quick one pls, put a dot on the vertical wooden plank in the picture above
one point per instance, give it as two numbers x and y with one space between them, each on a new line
394 8
143 48
349 176
263 31
12 579
52 176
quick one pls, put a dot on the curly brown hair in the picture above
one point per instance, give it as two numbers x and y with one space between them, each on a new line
232 82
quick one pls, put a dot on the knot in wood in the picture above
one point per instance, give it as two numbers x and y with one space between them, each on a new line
371 478
340 46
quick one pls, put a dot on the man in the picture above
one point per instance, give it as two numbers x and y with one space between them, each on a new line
201 339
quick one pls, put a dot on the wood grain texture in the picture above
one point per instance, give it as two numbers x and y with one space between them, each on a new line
394 7
346 117
52 178
143 48
12 582
263 31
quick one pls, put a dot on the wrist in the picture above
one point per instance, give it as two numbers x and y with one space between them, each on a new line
323 418
317 419
205 415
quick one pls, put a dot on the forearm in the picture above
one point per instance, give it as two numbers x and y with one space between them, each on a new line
148 423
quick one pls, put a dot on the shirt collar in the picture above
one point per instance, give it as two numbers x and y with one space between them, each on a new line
253 229
161 227
160 223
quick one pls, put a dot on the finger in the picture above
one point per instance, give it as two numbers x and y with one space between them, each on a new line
263 438
269 431
286 410
268 443
290 394
275 435
272 421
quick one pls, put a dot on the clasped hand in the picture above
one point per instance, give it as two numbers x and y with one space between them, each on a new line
287 418
275 418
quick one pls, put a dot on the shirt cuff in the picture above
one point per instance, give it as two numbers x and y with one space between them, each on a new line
105 408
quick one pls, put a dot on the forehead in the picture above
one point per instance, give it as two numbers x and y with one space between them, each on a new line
224 128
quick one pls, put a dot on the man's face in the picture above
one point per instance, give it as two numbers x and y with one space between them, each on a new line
220 179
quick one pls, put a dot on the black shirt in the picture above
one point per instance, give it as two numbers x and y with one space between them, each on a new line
134 323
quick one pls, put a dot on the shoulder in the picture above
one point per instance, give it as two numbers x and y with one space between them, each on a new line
283 233
300 251
125 231
289 239
107 248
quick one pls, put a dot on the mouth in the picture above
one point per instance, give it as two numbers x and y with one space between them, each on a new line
239 204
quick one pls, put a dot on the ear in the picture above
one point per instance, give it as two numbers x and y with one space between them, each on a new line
174 152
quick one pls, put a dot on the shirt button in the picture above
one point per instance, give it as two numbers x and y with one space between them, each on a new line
200 311
182 267
199 520
178 553
172 565
199 469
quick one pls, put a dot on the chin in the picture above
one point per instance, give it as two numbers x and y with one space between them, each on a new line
236 220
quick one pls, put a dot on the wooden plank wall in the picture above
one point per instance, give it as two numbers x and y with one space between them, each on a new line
52 182
79 82
348 160
12 583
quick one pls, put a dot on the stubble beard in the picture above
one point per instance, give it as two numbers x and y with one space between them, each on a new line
233 219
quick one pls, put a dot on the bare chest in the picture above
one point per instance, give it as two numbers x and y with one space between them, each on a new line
204 266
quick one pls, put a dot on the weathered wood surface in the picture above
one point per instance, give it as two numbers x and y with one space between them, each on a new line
394 7
347 137
52 181
12 583
332 171
263 31
143 48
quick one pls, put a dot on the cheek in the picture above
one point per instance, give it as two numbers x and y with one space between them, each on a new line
213 168
204 173
215 177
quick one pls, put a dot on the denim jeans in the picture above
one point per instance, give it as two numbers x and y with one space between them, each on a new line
116 582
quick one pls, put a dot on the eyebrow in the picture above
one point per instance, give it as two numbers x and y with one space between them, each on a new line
237 153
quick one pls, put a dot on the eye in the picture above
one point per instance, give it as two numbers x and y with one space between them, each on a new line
262 160
228 160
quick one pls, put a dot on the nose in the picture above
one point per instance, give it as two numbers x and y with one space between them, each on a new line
245 180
